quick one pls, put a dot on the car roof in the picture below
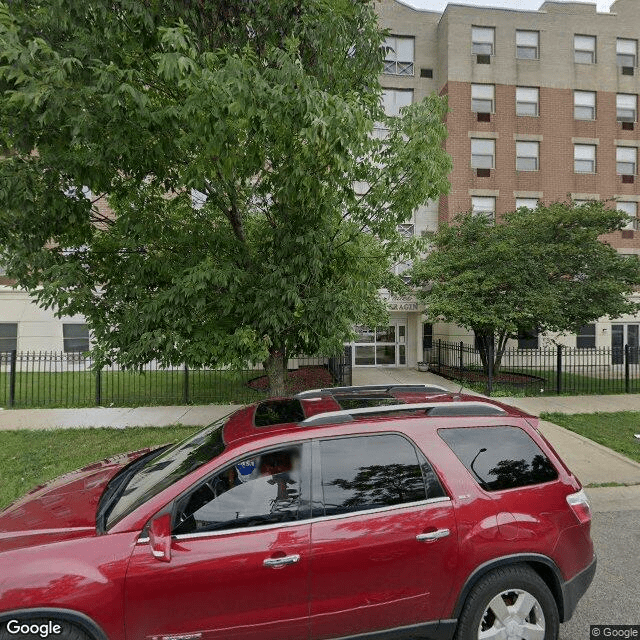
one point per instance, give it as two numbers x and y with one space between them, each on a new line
372 404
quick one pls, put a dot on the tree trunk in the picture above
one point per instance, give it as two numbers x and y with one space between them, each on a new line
276 367
487 339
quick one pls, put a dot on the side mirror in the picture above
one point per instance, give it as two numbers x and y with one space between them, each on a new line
160 537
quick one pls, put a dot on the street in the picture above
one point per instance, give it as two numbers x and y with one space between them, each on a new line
614 596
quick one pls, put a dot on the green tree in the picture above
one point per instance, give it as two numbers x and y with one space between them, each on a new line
540 270
266 110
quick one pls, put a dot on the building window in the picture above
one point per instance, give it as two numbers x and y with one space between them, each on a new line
527 339
527 100
626 107
584 49
406 230
584 158
482 39
484 205
393 100
527 154
527 45
75 338
626 161
398 60
482 98
631 209
626 52
584 105
483 153
8 336
586 337
527 203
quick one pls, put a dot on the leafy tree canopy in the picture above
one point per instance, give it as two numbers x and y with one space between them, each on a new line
540 270
265 108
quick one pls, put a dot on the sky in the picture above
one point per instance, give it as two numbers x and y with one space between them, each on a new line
530 5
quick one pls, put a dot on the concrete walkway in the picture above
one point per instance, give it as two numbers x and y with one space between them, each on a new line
591 462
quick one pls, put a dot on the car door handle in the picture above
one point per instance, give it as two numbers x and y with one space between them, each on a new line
433 535
281 562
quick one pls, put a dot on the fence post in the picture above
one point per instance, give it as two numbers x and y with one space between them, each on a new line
185 386
627 381
490 363
461 355
98 387
439 353
559 370
12 378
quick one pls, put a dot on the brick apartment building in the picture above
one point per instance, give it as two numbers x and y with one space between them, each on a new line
544 106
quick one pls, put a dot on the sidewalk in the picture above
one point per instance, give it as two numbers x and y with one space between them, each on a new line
591 462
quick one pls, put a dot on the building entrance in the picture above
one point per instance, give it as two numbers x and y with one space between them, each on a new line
382 346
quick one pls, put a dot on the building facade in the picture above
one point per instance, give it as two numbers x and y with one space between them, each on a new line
543 108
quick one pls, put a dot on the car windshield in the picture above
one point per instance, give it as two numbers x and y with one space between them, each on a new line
166 469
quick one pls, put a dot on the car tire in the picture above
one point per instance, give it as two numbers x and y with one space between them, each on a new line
514 599
68 630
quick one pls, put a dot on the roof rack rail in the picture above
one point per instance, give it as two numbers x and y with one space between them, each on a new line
418 388
434 409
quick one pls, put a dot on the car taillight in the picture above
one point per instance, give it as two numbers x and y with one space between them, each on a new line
579 504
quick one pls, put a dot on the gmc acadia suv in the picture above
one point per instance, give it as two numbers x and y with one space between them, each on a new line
356 512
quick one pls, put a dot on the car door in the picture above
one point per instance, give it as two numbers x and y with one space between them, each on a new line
383 537
239 557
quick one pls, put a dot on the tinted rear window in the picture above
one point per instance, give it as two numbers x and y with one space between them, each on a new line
278 412
500 457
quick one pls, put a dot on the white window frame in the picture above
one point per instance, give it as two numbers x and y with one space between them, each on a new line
626 107
484 205
584 49
481 150
407 230
393 100
584 105
483 40
626 52
483 98
527 96
626 161
70 342
527 203
399 55
527 155
527 42
631 209
585 153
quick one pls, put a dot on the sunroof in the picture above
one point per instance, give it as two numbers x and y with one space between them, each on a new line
272 412
358 402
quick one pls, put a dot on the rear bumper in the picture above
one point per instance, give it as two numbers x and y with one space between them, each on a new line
574 589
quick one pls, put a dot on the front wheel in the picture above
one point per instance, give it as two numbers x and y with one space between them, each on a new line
512 603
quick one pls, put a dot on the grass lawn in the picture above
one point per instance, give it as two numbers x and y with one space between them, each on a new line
613 430
29 458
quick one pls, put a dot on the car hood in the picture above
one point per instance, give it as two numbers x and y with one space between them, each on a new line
61 509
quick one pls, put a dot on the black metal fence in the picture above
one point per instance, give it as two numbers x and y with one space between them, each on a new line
549 371
54 379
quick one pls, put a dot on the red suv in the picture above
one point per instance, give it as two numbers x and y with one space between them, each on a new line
368 512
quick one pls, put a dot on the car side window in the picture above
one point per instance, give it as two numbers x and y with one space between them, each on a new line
500 457
257 490
368 472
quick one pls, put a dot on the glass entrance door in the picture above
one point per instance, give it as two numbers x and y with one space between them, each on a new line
382 346
622 334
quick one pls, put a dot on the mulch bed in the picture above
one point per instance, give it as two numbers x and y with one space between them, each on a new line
312 377
475 375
